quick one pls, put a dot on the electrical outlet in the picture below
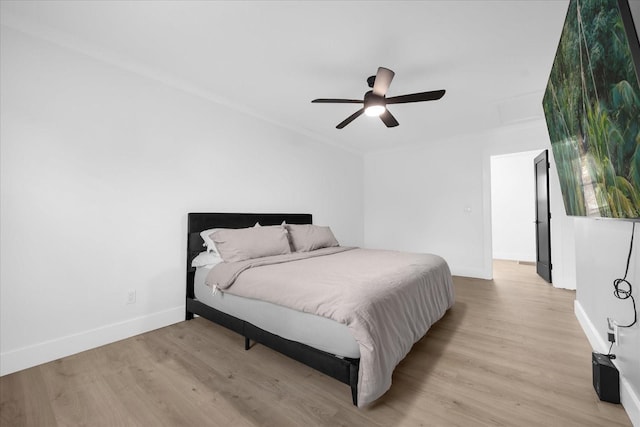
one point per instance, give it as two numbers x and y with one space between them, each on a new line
131 296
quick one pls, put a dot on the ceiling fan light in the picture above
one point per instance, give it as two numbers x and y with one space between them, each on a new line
374 110
374 105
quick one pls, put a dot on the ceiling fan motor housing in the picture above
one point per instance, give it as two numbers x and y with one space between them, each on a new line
371 99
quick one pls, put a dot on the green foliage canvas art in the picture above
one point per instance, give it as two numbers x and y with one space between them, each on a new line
592 108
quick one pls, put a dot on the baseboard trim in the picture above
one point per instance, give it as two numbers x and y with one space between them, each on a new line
519 257
33 355
476 274
596 341
629 399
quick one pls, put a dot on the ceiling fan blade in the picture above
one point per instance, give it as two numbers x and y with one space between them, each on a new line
350 119
337 101
388 119
383 80
416 97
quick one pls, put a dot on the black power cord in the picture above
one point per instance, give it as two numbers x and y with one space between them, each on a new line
623 289
609 354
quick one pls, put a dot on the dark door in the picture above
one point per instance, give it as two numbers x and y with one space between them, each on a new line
543 231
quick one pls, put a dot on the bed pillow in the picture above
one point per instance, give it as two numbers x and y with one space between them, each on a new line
210 244
259 225
206 259
240 244
308 237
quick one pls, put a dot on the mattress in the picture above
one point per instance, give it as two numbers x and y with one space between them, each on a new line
315 331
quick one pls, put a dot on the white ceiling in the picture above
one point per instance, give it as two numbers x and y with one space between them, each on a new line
271 58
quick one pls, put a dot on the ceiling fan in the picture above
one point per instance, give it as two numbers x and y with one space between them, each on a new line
375 102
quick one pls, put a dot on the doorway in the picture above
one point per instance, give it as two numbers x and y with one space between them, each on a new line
513 207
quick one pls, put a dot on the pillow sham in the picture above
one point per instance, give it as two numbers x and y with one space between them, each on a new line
206 259
308 237
209 243
240 244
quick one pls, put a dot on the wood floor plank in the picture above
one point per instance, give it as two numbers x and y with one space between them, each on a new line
22 401
509 353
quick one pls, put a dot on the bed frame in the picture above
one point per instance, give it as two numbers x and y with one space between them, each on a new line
342 369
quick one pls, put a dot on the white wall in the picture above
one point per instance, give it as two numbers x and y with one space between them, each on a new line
436 197
513 208
99 168
427 199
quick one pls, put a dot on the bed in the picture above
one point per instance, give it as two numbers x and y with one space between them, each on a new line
359 347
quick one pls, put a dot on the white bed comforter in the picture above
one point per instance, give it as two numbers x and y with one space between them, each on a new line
388 299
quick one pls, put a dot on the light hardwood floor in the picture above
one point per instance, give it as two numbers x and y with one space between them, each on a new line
509 353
